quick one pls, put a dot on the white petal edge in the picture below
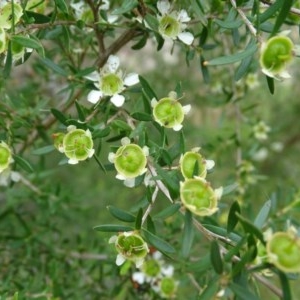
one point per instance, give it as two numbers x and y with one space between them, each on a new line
112 239
120 177
186 109
131 79
218 192
129 182
94 76
71 128
139 277
91 152
72 161
186 37
183 16
163 6
153 102
139 262
94 96
120 260
125 141
177 127
117 100
209 164
167 270
113 63
111 157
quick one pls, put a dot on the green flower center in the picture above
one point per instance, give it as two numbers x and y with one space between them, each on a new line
151 268
77 144
168 286
168 112
132 246
6 15
169 26
5 156
277 53
192 162
130 160
111 84
2 40
198 196
287 250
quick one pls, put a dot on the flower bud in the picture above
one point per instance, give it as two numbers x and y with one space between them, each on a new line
197 196
5 156
283 250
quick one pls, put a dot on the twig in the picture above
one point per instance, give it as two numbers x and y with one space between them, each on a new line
150 206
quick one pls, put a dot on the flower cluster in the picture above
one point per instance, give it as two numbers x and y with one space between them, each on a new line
76 144
172 24
158 275
111 82
168 112
195 192
130 161
130 246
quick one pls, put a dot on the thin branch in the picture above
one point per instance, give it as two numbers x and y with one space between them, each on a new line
293 10
150 206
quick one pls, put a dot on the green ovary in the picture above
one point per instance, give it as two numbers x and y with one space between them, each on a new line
4 156
189 162
77 144
132 245
130 160
277 54
287 251
168 112
151 268
168 286
169 26
197 193
111 84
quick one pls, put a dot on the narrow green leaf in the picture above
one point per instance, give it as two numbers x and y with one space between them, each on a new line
100 133
167 212
188 234
229 59
263 214
54 67
243 68
157 242
23 163
284 11
16 296
119 124
215 257
204 70
147 88
138 220
242 292
235 250
126 7
232 218
61 5
112 228
141 43
28 43
229 188
8 61
81 114
38 18
268 13
59 116
140 116
150 225
250 227
223 232
229 24
152 22
43 150
286 290
169 179
202 265
120 214
271 85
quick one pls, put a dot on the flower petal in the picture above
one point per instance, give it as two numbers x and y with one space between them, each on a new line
183 16
112 239
139 277
112 63
120 177
129 182
139 262
91 152
120 260
117 100
186 109
125 141
186 37
94 76
131 79
177 127
94 96
209 164
111 157
163 6
72 161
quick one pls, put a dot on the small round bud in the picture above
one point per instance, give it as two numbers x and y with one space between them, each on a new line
130 161
276 54
78 145
5 156
168 287
283 250
197 196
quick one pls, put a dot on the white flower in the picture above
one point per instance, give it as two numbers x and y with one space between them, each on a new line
8 175
111 82
172 23
261 130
